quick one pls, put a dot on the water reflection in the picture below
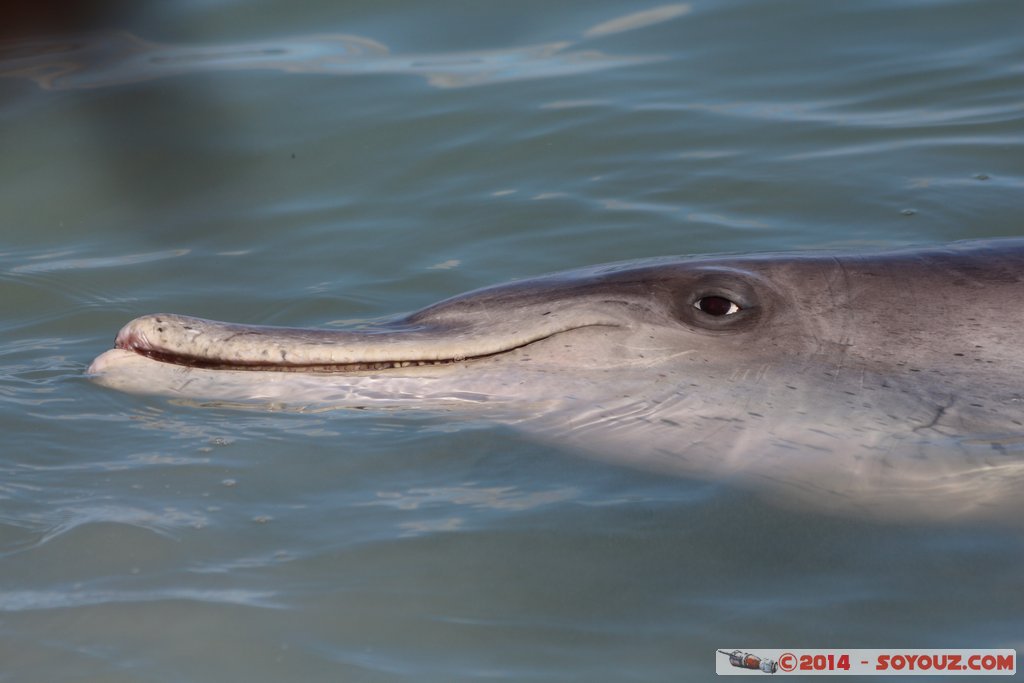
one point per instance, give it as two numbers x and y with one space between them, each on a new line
22 600
446 500
635 20
109 59
489 497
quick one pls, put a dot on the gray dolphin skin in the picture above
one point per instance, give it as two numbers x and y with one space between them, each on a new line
888 385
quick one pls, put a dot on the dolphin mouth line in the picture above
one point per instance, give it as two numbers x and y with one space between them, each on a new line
140 346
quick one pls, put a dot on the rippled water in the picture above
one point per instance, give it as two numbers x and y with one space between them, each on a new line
268 163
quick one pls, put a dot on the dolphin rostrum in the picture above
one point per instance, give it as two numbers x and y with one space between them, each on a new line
886 384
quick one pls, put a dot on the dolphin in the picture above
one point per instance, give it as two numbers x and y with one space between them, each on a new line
887 384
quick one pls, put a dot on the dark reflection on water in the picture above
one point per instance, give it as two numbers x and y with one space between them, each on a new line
27 20
111 59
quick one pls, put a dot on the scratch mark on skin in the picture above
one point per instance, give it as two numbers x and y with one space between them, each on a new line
486 311
649 349
839 368
243 333
704 438
939 413
842 278
653 361
740 375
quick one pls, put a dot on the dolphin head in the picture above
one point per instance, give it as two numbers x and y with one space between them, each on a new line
882 383
600 318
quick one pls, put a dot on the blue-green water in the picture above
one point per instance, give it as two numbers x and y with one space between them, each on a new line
283 164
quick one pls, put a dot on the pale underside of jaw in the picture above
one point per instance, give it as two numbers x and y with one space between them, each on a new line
428 387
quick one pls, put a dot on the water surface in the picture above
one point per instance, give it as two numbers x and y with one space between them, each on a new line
268 163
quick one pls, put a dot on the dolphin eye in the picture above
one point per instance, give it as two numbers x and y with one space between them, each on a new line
717 306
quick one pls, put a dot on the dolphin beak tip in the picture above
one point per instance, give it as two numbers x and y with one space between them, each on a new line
131 337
